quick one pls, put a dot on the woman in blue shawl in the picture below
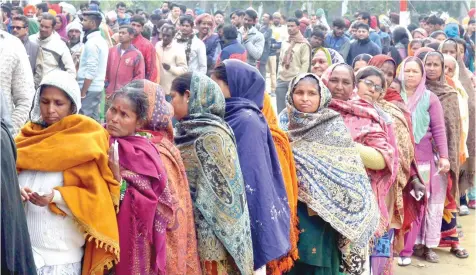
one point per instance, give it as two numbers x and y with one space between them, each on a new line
243 88
208 150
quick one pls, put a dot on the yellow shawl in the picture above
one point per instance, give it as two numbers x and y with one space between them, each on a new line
288 169
78 146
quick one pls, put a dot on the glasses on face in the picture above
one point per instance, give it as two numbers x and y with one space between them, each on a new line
371 85
17 27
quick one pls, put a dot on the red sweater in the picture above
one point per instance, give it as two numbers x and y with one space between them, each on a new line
123 69
149 54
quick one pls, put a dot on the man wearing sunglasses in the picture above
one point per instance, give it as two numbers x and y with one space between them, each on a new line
20 30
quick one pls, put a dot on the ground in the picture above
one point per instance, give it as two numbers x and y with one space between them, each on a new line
448 264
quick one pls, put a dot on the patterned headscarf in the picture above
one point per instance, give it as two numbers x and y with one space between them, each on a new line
206 97
320 141
208 148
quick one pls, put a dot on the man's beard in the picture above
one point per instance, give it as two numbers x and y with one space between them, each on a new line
74 41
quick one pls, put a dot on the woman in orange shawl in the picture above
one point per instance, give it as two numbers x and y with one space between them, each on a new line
288 169
182 252
63 164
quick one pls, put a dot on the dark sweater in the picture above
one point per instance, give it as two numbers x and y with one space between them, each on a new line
362 46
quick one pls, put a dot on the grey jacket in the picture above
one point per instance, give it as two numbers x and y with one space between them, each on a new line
31 48
254 45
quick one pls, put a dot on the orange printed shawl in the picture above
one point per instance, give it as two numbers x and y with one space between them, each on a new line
288 168
78 146
182 251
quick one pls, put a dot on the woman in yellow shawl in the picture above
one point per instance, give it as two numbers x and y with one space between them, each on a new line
70 192
288 170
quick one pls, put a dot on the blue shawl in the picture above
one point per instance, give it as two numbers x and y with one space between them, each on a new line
265 191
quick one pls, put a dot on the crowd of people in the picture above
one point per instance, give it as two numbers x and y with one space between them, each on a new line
148 143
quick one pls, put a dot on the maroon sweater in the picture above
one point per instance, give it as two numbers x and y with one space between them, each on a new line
123 69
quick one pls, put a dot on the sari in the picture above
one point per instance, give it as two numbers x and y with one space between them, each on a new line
182 251
207 146
265 188
145 209
64 22
288 169
333 194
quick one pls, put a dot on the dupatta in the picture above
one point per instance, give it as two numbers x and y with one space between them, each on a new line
288 169
338 191
265 188
208 148
146 208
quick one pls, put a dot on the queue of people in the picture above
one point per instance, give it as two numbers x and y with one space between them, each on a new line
157 150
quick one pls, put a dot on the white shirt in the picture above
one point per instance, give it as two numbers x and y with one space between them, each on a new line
198 55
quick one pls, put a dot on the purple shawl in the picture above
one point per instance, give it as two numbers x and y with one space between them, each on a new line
265 191
145 210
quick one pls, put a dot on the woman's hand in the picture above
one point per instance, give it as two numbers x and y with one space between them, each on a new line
114 165
25 193
42 201
443 165
418 187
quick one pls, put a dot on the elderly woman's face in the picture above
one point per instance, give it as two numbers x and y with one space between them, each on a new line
121 118
450 68
319 63
306 96
54 105
450 48
340 83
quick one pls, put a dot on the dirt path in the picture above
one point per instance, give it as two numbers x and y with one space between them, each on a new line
448 264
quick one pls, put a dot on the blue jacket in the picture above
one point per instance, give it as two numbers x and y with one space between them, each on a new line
374 37
340 44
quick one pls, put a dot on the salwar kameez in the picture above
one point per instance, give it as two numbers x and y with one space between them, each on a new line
426 229
318 251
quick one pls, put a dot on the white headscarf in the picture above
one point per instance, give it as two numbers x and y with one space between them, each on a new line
63 81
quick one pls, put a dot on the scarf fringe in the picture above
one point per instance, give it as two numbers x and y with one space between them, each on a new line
89 235
286 263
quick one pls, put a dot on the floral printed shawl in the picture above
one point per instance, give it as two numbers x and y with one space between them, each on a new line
208 148
339 191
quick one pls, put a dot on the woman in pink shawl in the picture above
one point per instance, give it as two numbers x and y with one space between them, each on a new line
60 26
374 136
431 152
145 202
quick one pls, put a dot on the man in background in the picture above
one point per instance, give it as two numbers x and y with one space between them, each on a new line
337 39
253 40
92 65
267 32
145 47
20 29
